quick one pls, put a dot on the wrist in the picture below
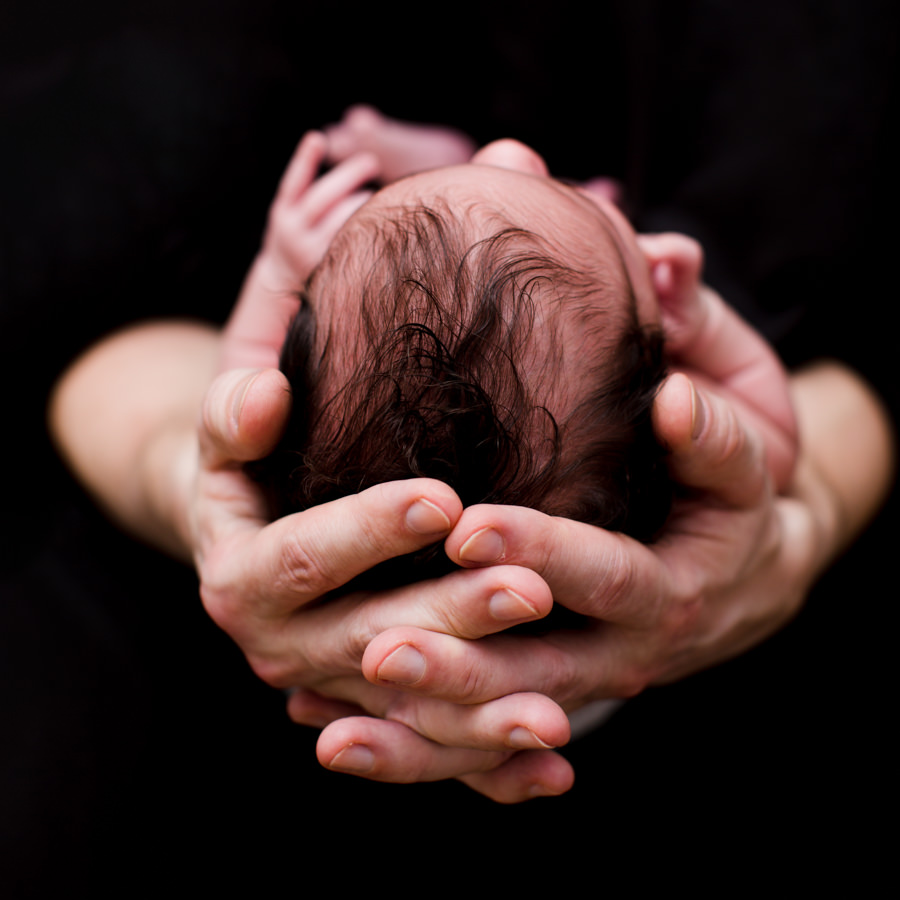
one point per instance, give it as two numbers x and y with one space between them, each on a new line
848 453
168 472
273 273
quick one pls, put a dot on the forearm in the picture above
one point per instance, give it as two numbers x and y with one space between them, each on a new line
124 417
848 441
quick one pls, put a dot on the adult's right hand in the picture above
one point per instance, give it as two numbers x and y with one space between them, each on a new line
734 564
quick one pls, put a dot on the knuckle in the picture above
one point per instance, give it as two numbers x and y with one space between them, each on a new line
274 671
734 441
337 652
223 601
773 540
450 612
471 684
680 620
371 536
404 708
633 681
618 583
231 613
562 677
219 605
299 570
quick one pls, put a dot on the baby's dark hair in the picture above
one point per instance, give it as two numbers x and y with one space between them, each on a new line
447 367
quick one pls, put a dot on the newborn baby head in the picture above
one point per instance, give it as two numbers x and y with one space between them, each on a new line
480 325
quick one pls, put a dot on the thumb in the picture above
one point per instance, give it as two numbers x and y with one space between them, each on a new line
711 450
245 412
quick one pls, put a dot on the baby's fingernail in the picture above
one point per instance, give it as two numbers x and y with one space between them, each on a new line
484 546
353 758
424 517
521 738
404 666
508 606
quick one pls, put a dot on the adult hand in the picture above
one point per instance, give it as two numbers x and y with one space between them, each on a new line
733 566
260 582
644 619
458 706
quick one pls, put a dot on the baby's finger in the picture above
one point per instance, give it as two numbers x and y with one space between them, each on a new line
337 185
353 133
303 167
702 331
706 335
334 219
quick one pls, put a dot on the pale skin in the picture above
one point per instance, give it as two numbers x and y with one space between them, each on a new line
432 686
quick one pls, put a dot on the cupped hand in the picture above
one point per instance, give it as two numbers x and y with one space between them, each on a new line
261 582
733 566
255 574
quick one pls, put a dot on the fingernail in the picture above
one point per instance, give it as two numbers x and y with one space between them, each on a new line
424 517
508 606
541 790
663 278
353 758
521 738
698 413
404 666
241 395
484 546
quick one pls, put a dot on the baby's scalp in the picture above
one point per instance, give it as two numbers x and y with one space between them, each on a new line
480 329
453 215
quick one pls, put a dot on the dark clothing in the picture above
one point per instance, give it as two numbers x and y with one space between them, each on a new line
140 150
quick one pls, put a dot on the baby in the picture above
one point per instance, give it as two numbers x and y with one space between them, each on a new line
485 325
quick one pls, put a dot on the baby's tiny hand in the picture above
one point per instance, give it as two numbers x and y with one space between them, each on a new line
308 211
609 189
402 148
709 341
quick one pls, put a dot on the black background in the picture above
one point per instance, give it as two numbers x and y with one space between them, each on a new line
140 149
